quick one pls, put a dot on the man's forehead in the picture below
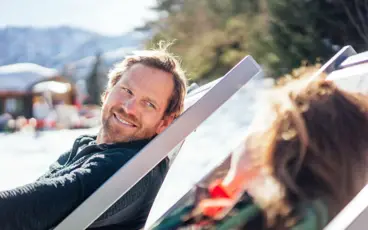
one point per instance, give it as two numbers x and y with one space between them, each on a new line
152 82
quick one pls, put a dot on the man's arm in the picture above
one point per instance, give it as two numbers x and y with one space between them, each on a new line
127 209
43 204
132 209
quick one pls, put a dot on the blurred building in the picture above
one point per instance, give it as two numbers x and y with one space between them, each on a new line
26 87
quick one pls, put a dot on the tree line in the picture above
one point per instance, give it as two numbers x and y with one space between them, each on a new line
211 36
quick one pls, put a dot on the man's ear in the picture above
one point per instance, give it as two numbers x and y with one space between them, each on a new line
165 122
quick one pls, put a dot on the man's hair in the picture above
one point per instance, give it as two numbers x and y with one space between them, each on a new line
315 142
159 59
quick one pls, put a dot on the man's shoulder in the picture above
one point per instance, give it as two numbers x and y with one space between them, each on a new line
132 209
124 148
85 139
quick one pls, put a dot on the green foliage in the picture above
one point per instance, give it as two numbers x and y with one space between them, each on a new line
309 30
211 36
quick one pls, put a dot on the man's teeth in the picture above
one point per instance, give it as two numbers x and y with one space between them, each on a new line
124 122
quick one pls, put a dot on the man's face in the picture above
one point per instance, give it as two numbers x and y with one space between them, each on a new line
134 108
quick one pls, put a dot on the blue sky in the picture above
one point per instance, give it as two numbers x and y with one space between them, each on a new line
109 17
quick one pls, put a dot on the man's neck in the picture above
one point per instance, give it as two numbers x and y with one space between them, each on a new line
100 138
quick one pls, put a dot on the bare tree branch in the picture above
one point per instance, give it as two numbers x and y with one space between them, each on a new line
366 6
354 23
361 17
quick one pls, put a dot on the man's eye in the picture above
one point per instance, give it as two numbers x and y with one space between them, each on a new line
149 104
127 90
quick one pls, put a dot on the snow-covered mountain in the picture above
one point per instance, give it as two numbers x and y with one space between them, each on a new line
54 47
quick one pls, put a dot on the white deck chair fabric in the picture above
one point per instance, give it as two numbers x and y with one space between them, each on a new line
357 59
354 78
334 63
354 216
114 188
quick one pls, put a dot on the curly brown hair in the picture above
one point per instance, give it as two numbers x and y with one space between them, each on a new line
315 144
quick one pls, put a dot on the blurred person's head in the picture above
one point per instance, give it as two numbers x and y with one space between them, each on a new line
20 122
33 122
145 93
312 141
11 124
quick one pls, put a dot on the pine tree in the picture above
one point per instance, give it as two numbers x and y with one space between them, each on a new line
94 82
210 35
213 35
312 31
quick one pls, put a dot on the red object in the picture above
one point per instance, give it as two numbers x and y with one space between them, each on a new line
221 196
40 124
217 190
219 199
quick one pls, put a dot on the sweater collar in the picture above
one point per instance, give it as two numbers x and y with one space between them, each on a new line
136 144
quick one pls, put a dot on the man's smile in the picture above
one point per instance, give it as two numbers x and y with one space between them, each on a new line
124 121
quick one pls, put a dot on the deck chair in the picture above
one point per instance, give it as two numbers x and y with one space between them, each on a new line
199 105
335 62
354 216
352 75
340 70
349 70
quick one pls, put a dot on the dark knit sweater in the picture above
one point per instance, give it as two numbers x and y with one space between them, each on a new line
71 179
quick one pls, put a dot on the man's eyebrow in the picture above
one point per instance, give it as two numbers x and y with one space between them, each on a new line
148 98
152 101
126 83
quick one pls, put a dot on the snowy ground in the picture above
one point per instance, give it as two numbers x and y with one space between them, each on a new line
24 158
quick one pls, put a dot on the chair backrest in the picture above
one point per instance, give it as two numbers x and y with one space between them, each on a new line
194 94
159 147
352 74
335 62
354 216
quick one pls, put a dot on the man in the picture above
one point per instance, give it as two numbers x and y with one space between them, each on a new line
145 93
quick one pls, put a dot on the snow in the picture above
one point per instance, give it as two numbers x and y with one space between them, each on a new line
55 47
82 68
17 77
54 86
27 68
24 158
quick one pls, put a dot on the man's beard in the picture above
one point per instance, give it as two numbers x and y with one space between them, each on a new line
115 135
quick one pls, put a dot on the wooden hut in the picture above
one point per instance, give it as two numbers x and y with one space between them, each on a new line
22 84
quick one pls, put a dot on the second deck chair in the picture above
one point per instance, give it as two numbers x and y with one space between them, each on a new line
335 62
346 73
352 75
349 71
199 104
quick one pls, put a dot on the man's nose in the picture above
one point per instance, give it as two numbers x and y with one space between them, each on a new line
130 106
